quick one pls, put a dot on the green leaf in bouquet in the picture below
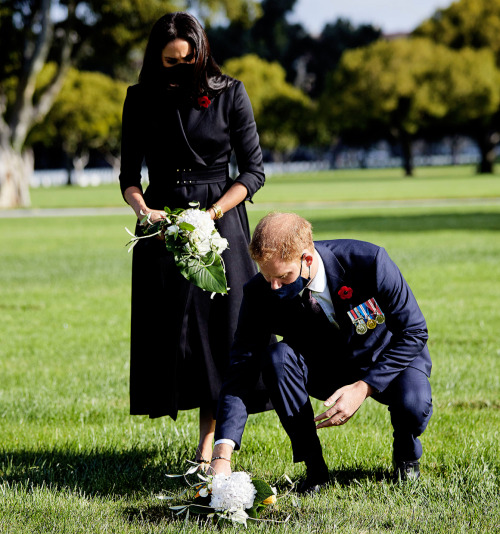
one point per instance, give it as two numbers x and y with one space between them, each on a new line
153 228
186 226
252 512
172 246
210 278
264 490
167 210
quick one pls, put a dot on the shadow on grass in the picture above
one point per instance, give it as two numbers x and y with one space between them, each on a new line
409 223
93 473
349 477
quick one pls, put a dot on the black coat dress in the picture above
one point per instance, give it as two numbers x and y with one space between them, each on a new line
180 337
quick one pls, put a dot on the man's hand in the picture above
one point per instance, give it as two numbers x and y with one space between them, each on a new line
344 404
221 460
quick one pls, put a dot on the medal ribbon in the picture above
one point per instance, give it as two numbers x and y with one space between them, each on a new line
373 302
364 311
352 316
371 306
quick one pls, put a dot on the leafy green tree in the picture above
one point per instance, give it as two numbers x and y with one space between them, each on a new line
404 87
270 36
306 59
86 115
101 33
326 50
465 23
474 24
284 114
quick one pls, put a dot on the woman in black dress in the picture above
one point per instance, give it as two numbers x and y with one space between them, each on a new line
184 118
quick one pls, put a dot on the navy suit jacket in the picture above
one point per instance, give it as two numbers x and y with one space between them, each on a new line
376 357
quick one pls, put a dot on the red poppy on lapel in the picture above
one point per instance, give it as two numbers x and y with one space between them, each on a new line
204 101
345 292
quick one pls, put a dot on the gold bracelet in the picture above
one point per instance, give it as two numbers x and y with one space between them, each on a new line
217 211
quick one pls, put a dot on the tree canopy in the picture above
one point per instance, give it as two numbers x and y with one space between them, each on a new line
306 59
86 114
282 111
465 23
401 88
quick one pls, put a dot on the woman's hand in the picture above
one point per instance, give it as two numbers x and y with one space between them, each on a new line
150 216
133 196
231 198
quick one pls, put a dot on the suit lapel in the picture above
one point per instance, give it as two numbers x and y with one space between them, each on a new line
194 117
336 278
334 271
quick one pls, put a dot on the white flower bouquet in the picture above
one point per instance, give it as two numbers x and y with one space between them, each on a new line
236 498
191 236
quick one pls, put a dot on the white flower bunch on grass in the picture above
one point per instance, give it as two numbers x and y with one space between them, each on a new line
191 236
236 498
234 492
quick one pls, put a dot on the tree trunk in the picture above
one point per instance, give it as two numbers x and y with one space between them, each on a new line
15 172
79 163
406 152
487 143
115 162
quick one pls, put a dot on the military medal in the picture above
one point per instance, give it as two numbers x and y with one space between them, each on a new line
361 327
380 317
357 321
370 323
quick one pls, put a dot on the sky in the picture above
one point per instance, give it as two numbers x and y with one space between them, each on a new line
391 16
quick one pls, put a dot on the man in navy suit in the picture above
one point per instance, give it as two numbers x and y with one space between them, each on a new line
351 329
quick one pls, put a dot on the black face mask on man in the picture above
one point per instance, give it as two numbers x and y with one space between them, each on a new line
289 291
180 76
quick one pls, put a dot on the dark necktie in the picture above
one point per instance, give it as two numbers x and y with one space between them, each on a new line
314 307
310 303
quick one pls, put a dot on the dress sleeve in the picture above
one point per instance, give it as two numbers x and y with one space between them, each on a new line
245 142
132 150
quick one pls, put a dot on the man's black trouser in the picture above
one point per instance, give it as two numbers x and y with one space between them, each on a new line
290 381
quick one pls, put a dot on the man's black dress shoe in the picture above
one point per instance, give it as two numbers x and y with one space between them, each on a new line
404 471
313 483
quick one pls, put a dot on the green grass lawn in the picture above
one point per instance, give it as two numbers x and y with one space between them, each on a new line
319 187
72 460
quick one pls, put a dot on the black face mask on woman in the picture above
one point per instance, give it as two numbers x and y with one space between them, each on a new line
289 291
180 76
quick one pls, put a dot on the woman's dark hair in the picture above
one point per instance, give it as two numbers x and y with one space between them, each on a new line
208 78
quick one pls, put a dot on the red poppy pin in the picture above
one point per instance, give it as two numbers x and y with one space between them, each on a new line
345 292
204 101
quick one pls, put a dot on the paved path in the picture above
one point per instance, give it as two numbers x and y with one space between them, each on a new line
263 206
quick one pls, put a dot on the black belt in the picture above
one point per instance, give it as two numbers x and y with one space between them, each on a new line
186 176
